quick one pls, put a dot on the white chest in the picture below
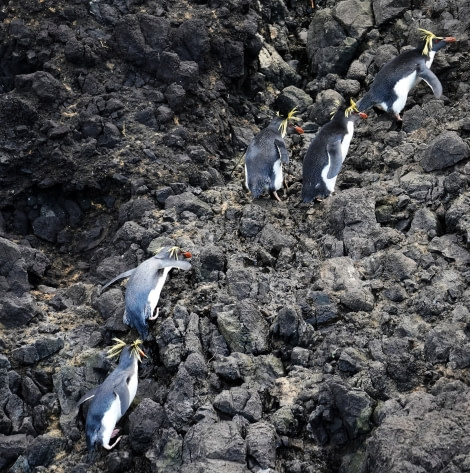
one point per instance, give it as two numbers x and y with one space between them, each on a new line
430 59
110 419
277 174
133 382
402 89
347 140
154 294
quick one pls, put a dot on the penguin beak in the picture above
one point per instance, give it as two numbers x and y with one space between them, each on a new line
298 129
187 254
450 39
363 115
142 353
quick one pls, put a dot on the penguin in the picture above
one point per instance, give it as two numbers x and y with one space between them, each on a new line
326 153
265 156
392 84
145 286
111 399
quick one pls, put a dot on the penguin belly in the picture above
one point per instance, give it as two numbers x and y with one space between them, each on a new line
402 89
154 294
110 419
346 141
277 172
329 183
132 385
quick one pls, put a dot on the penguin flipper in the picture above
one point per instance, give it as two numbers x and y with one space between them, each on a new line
126 274
282 150
335 158
431 79
121 390
90 394
171 263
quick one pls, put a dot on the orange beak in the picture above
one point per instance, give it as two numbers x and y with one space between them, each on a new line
141 353
187 254
450 39
363 115
298 129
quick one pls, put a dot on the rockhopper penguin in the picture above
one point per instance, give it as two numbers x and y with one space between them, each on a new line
326 154
393 82
145 286
265 156
111 399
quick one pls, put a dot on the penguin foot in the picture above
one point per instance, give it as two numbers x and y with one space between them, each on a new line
154 317
274 194
109 447
397 116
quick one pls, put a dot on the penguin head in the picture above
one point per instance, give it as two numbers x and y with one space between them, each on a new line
433 42
353 113
282 124
172 252
128 354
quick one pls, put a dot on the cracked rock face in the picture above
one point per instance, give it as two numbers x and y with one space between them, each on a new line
323 337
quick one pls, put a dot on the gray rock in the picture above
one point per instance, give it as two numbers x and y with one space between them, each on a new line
291 328
340 275
284 421
386 10
273 239
355 15
135 209
144 422
326 103
275 68
448 246
187 201
457 217
239 401
342 413
11 447
171 344
179 406
425 220
44 85
291 97
213 260
329 48
443 151
17 311
261 444
43 449
244 329
227 367
426 435
213 448
42 348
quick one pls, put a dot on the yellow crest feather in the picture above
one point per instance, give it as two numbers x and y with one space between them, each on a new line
351 109
427 36
119 345
285 122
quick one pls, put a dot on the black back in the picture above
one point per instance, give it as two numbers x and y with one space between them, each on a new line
261 154
316 158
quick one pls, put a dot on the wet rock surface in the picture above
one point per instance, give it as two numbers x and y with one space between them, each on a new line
325 337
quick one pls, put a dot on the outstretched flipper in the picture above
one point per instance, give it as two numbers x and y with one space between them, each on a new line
90 394
430 78
171 263
126 274
336 158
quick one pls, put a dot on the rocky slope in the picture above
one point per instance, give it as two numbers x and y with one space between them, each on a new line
306 338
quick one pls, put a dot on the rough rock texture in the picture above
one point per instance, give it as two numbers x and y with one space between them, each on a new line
329 337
